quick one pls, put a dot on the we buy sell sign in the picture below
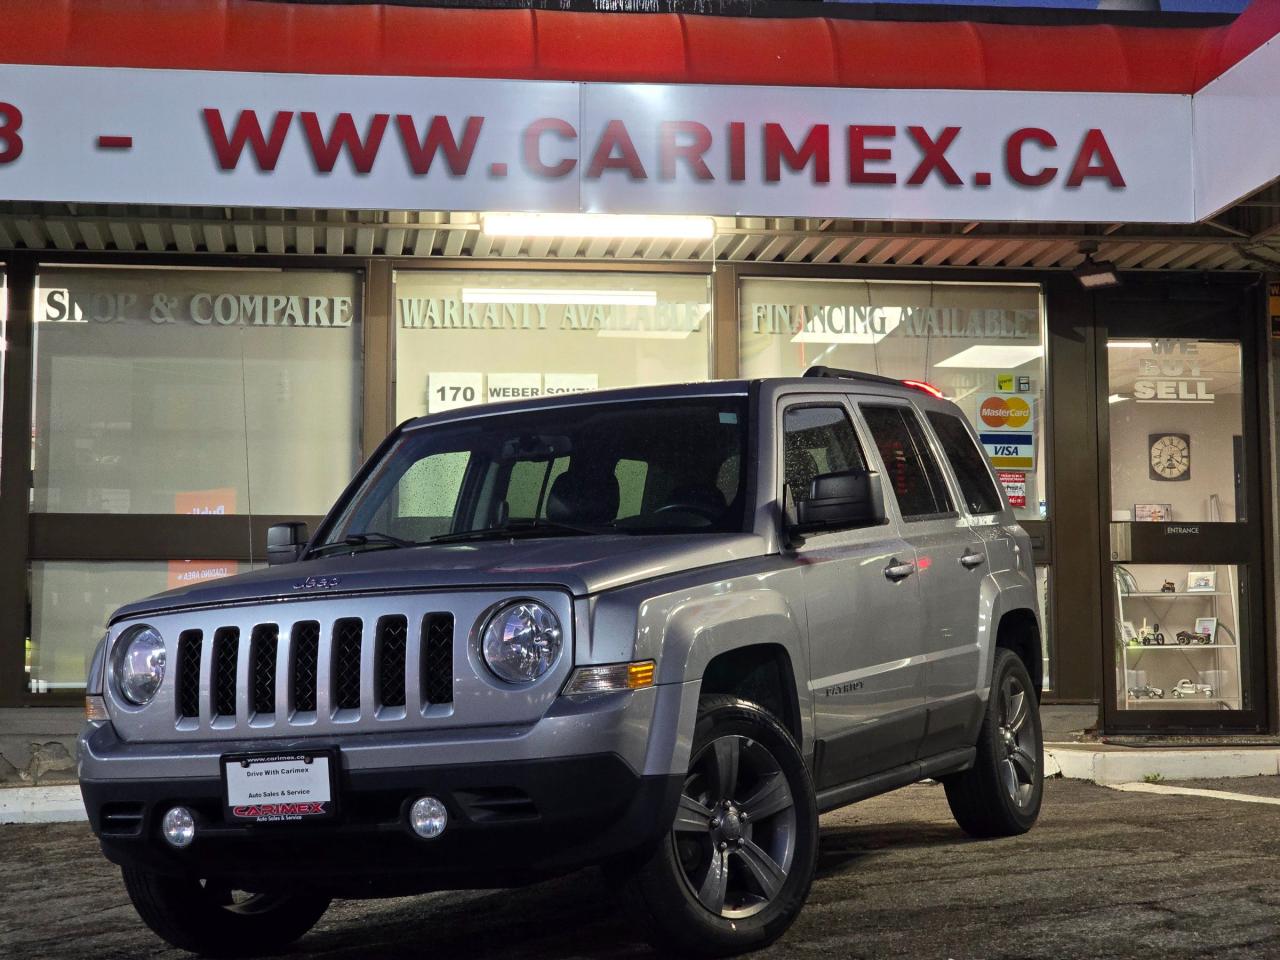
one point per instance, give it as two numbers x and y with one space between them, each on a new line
287 140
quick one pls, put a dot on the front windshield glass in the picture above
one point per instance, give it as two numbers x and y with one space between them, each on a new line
660 466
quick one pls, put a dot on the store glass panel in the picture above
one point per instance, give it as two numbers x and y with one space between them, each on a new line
1176 431
195 391
467 337
1177 461
71 601
1180 637
981 344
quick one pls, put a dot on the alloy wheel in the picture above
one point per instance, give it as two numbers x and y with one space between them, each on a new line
1018 763
735 829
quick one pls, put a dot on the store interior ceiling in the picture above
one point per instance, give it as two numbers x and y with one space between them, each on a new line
1244 237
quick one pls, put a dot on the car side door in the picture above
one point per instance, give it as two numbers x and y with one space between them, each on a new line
867 679
950 560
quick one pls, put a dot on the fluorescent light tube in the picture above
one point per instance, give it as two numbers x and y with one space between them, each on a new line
621 298
596 225
992 355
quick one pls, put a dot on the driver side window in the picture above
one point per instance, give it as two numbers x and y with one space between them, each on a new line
816 440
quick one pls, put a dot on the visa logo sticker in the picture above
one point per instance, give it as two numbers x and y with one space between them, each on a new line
1010 451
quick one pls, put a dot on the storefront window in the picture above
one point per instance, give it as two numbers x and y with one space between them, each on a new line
1176 430
1177 472
71 600
195 391
981 344
466 337
1180 638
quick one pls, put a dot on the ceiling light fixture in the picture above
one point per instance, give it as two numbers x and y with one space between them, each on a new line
619 298
1095 274
631 226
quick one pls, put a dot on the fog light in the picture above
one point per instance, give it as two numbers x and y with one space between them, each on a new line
179 827
428 817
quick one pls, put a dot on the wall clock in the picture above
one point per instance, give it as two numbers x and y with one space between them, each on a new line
1170 456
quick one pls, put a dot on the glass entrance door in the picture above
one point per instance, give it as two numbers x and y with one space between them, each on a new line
1185 538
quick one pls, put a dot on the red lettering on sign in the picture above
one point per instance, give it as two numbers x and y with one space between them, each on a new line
533 152
1095 146
860 154
10 124
737 151
266 150
344 136
279 809
439 137
934 156
615 137
778 149
691 153
1013 156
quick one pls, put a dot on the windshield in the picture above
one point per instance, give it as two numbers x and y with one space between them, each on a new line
662 466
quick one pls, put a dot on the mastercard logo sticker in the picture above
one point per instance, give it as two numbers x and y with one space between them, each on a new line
1011 412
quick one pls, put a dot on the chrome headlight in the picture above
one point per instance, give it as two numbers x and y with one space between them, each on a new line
521 641
137 664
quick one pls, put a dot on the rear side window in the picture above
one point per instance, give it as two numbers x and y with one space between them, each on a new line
817 440
912 472
967 462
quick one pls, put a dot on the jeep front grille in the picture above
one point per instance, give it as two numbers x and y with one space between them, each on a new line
306 665
226 656
350 648
347 634
262 660
437 658
392 640
190 646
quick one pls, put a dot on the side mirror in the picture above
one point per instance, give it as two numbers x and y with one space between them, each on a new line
850 498
285 542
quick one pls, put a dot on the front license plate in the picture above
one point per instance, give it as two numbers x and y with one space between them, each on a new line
280 787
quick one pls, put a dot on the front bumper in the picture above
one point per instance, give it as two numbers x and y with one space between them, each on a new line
591 781
509 823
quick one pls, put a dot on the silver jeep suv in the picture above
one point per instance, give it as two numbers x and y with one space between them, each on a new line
657 630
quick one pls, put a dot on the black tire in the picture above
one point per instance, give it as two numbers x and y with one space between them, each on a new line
204 920
983 799
761 896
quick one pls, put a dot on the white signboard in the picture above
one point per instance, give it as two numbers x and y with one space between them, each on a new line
448 391
555 383
513 386
287 140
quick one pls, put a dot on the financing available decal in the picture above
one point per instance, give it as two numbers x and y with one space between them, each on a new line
282 140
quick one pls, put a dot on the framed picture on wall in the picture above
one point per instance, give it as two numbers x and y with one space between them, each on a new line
1152 512
1202 581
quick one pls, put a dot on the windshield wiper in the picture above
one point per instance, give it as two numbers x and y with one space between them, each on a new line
370 538
523 528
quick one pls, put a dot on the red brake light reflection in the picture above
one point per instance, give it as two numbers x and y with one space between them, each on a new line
928 388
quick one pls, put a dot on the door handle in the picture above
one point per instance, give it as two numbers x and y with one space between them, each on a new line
897 570
970 559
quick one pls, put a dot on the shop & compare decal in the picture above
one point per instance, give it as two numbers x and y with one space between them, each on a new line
281 140
202 309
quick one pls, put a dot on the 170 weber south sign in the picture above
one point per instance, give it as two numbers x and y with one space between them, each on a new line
287 140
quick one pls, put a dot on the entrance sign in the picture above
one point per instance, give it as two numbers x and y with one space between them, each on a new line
290 140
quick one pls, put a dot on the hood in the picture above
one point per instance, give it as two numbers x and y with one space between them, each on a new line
579 565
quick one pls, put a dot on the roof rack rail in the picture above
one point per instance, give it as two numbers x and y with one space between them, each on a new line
835 373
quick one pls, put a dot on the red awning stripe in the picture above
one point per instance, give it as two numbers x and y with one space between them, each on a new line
247 35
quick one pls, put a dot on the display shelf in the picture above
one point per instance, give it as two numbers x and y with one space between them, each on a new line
1185 595
1182 646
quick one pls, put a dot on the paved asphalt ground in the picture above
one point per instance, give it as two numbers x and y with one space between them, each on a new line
1104 874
